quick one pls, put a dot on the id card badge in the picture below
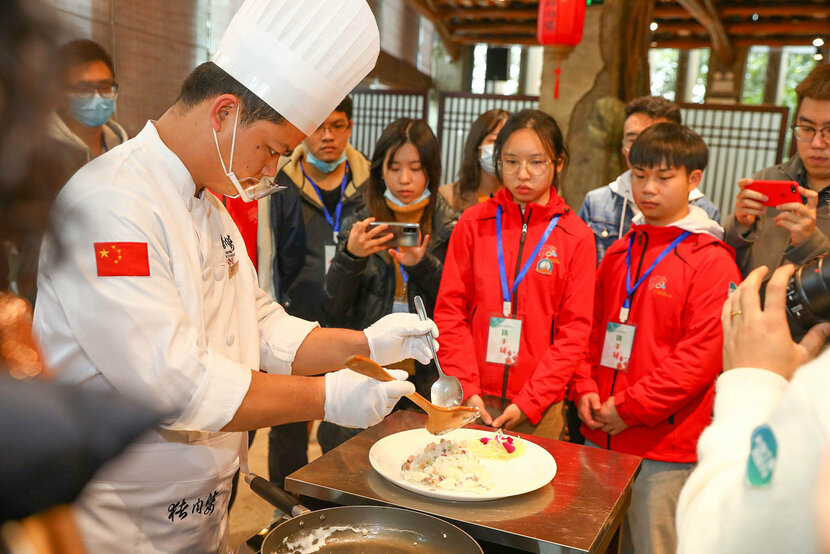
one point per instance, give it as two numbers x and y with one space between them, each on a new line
400 306
328 256
616 350
503 340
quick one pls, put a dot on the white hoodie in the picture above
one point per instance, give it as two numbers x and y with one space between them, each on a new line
695 222
622 187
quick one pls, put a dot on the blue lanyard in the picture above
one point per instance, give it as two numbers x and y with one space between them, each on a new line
506 292
334 221
404 274
629 290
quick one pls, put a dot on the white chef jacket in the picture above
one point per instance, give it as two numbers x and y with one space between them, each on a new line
183 339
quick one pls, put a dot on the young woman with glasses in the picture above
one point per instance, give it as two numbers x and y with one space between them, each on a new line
515 305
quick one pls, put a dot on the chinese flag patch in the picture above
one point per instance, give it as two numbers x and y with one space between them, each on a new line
122 259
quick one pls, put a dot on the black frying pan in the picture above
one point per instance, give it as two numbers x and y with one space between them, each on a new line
355 529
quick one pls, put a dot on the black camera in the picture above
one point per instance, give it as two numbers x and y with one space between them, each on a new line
808 297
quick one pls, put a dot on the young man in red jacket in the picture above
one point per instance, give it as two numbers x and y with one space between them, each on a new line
655 351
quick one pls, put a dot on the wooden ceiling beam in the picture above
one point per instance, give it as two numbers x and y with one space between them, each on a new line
699 42
814 27
662 11
496 39
760 28
705 14
489 13
492 28
427 9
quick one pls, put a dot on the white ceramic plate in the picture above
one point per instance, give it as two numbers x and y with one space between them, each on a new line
533 469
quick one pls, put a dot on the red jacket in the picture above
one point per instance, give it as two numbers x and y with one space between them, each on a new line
666 395
555 300
244 214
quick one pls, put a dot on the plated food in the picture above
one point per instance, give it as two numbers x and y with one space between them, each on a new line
467 464
449 465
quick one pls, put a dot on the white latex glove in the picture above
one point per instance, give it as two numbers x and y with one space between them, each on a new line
400 336
353 400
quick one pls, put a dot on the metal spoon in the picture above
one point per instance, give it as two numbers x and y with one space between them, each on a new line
446 391
440 420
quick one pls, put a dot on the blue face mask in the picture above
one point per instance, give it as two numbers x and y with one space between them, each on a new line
325 167
391 197
92 112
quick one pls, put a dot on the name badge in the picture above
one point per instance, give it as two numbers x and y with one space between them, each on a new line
760 466
616 349
328 256
400 307
503 340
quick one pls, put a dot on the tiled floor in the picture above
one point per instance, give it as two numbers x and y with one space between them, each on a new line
250 513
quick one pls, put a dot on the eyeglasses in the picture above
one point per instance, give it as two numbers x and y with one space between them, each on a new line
86 90
336 129
627 143
534 167
805 133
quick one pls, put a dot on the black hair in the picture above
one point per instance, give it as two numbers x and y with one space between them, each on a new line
81 51
545 126
469 174
398 133
209 81
656 107
345 106
675 145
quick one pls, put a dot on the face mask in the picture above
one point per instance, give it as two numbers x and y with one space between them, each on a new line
92 112
325 167
391 197
485 159
258 188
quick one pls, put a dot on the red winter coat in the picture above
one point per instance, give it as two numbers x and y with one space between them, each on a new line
666 395
555 300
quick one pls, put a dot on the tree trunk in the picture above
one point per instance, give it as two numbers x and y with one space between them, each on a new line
611 61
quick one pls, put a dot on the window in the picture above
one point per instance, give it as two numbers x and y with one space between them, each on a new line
755 75
663 68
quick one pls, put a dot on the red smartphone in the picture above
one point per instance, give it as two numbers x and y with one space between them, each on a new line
778 192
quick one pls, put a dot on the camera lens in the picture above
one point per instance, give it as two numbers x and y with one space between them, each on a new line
808 297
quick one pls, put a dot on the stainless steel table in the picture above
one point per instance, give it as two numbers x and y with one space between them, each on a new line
580 510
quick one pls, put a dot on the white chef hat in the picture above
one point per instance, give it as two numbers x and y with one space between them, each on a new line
302 57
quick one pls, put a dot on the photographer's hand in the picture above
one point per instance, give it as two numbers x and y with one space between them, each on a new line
799 219
749 204
365 241
761 338
410 255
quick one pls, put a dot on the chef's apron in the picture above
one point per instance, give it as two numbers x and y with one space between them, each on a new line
180 492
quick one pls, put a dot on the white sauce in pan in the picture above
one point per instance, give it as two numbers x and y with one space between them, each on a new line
317 538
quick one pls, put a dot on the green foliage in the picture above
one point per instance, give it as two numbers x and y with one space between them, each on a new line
755 75
663 68
799 64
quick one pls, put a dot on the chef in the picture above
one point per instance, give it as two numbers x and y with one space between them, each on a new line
145 286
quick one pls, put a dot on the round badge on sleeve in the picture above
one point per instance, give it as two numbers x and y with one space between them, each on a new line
763 452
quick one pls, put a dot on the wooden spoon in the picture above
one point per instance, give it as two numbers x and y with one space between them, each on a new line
439 420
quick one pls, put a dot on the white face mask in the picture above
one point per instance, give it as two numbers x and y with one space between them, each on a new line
485 158
258 188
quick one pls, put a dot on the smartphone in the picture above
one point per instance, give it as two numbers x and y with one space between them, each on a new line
404 234
778 192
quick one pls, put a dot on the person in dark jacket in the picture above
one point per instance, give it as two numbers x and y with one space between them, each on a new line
322 180
793 232
367 279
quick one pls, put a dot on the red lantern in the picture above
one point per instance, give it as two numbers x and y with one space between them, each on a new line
560 23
